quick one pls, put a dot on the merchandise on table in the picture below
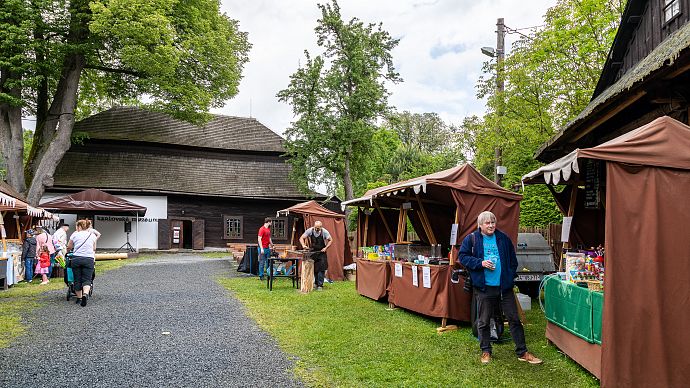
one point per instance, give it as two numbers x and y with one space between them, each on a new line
586 268
418 254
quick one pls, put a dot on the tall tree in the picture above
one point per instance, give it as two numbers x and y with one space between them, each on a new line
336 98
62 59
549 76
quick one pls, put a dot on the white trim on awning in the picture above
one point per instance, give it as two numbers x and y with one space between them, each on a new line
6 200
560 170
417 186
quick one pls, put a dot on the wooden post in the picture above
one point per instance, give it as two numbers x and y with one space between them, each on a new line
385 222
2 236
294 230
425 222
307 275
445 327
359 230
366 230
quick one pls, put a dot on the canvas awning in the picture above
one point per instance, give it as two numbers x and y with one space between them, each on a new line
463 177
11 200
663 143
311 208
96 202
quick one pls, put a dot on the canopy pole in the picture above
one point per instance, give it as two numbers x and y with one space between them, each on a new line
19 227
425 222
137 233
366 229
385 222
358 229
2 233
294 230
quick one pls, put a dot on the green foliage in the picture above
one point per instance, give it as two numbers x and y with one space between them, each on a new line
549 78
337 98
341 339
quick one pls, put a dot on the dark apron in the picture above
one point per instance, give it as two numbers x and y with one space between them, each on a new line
320 258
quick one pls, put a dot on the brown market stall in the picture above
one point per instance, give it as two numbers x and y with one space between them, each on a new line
16 216
339 254
439 207
637 185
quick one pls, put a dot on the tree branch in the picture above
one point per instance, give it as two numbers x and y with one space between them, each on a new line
114 70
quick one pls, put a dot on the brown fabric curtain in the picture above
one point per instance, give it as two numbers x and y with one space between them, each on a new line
339 252
644 339
507 213
372 278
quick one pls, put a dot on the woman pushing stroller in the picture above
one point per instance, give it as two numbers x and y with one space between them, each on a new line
82 244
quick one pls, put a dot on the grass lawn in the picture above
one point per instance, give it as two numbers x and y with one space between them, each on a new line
339 338
21 298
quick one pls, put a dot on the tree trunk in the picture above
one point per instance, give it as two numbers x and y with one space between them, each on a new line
11 135
347 185
56 129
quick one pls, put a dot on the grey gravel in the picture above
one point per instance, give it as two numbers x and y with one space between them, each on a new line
117 340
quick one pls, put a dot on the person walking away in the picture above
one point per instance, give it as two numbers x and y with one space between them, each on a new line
29 255
265 245
319 239
44 239
43 264
489 255
82 244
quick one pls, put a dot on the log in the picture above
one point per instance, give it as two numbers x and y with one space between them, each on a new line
307 276
111 256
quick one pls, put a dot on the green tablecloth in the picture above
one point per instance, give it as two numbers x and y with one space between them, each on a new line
573 308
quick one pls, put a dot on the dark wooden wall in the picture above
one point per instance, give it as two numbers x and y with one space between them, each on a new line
211 210
651 31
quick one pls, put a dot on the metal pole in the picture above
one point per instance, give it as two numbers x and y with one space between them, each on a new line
137 233
500 53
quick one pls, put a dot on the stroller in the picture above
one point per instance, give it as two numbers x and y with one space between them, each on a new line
69 281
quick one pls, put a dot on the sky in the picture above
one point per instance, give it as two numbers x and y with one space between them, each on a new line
438 56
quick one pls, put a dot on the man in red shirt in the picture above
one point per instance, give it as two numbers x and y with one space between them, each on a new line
265 245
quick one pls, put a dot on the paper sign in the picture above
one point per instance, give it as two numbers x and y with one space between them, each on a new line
415 280
454 234
398 270
426 277
565 230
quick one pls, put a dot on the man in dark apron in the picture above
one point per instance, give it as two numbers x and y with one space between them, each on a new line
319 239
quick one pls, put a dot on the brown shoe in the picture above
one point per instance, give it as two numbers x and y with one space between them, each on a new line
486 357
529 357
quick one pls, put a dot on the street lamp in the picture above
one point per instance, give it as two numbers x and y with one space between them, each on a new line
489 51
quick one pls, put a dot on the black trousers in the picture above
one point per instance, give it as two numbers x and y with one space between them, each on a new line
82 268
487 301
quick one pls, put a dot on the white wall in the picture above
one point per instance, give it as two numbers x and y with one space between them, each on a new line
112 227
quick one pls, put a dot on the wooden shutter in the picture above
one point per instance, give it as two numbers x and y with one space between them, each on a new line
163 234
198 234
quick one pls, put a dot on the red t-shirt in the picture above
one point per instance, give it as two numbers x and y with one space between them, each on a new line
265 234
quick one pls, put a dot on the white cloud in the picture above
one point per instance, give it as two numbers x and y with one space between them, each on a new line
438 56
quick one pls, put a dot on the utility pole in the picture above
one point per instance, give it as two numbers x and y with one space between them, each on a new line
500 53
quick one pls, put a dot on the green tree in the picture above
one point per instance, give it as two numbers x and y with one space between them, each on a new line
549 77
427 145
63 59
336 98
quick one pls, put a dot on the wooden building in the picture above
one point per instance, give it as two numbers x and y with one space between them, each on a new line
646 76
204 186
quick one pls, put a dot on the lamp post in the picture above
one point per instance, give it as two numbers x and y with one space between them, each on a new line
499 54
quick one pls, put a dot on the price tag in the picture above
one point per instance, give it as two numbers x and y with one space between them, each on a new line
426 277
415 280
398 270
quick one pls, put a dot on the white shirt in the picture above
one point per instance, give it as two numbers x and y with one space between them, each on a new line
60 236
83 243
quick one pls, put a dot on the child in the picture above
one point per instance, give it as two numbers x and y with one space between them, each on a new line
43 264
29 255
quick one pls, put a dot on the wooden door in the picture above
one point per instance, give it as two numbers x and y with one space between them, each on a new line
164 234
198 234
176 234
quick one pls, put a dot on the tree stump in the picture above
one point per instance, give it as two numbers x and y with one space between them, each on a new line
307 276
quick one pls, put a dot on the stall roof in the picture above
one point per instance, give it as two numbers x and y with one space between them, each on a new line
311 208
11 200
464 177
662 143
94 201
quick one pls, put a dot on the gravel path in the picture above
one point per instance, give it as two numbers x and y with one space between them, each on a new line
211 341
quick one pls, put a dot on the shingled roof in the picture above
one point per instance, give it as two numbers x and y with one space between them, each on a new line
175 173
139 125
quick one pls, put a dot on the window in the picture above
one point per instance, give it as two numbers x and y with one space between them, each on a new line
232 227
671 9
279 228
